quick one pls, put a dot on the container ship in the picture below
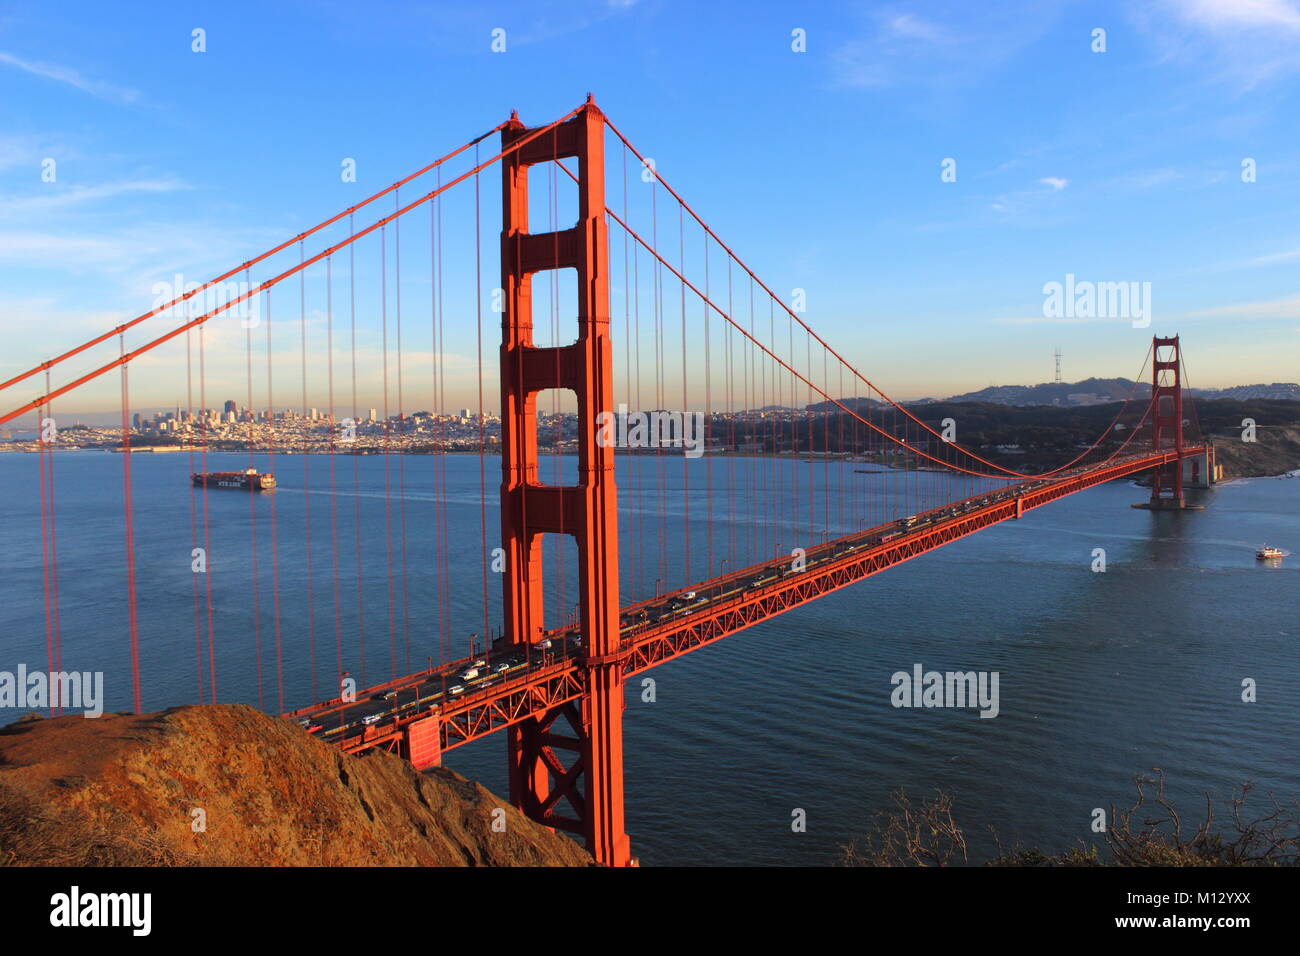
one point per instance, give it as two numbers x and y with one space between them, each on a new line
249 479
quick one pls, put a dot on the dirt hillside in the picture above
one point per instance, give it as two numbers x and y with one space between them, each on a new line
124 790
1275 451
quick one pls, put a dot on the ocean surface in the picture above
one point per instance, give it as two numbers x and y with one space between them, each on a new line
1101 675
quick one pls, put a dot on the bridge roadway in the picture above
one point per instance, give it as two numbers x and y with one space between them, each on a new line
514 682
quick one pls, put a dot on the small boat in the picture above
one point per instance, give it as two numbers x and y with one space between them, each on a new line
248 479
1267 552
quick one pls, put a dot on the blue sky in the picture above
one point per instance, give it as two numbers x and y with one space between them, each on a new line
821 168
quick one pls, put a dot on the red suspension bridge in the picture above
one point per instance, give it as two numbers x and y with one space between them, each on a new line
768 515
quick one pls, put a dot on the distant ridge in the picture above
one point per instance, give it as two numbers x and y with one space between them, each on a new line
1095 391
1278 391
1090 391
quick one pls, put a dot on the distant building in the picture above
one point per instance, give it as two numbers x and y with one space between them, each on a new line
231 407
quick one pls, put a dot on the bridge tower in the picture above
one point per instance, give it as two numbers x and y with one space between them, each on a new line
1167 422
541 784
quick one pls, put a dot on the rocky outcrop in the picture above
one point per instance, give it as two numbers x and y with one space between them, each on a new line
229 785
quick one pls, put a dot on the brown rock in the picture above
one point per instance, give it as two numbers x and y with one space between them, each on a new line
123 789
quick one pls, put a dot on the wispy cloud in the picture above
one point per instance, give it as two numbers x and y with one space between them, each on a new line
1059 320
1290 255
119 264
936 43
911 27
1030 201
1281 258
41 314
18 151
1232 14
1146 179
63 74
1241 43
1286 308
53 197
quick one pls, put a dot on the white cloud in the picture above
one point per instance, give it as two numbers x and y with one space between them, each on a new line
1290 255
53 197
19 151
63 74
912 27
1217 14
1239 43
1030 203
896 45
1287 308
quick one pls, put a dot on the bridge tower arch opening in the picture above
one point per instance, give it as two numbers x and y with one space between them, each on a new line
584 795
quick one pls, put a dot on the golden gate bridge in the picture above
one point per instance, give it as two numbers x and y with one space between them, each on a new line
552 680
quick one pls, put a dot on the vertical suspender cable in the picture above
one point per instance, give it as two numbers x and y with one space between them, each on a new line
129 525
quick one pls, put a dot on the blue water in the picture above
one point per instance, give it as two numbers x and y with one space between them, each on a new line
1101 675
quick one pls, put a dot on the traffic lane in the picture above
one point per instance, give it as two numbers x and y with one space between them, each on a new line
426 693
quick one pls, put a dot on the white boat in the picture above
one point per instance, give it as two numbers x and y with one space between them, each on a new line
1267 552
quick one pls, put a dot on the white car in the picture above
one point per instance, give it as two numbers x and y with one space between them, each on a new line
456 689
372 719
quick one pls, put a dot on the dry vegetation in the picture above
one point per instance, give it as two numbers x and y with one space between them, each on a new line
1150 832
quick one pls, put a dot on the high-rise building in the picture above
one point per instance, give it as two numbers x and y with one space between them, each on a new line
374 415
231 407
